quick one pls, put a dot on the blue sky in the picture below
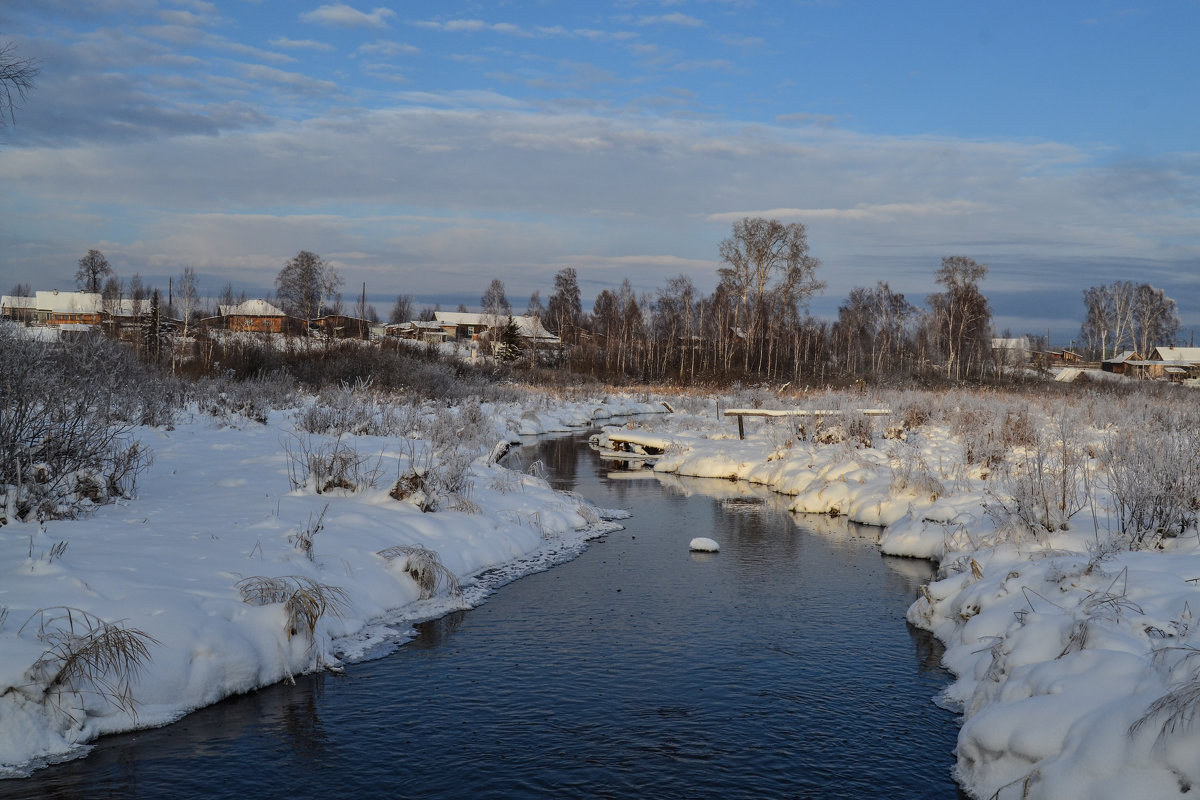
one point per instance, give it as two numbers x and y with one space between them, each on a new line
427 148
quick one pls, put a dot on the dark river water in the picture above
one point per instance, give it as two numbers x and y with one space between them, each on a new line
779 667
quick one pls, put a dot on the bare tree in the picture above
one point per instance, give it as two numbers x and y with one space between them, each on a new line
495 303
961 315
189 295
138 295
16 80
92 268
226 297
402 310
535 307
768 270
1155 318
564 309
110 298
21 290
305 283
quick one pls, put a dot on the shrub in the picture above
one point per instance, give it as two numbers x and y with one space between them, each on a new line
1153 475
66 422
324 467
1048 482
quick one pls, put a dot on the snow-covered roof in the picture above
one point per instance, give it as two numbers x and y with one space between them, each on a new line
527 327
1020 343
1188 354
57 302
16 301
252 308
460 317
1125 356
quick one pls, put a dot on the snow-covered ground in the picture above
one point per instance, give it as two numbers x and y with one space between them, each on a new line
1076 653
1067 621
144 610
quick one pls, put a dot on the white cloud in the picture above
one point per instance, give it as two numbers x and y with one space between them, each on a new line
300 44
387 49
671 19
342 15
885 212
292 80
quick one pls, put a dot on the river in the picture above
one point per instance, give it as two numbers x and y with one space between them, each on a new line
781 666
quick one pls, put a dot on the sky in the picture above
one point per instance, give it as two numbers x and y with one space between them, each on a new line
427 148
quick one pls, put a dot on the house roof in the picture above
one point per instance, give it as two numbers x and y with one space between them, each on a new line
527 327
1188 354
15 301
1125 356
252 308
57 302
1020 343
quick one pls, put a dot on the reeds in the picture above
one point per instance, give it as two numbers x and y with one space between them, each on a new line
86 652
425 567
304 600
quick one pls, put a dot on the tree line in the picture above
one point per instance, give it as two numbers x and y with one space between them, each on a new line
755 324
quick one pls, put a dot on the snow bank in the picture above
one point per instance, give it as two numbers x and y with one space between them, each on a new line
1077 659
220 505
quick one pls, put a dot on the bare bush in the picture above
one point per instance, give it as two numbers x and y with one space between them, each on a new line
425 567
304 600
1048 482
66 422
911 473
1153 475
334 465
429 479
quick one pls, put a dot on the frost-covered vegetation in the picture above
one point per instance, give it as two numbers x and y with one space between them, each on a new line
1066 530
165 542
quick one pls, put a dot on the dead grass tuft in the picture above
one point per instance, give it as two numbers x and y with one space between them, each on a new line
426 568
304 600
83 650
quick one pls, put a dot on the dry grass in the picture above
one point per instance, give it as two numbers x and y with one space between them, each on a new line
85 651
426 568
304 600
303 539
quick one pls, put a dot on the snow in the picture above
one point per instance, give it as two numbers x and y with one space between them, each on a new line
702 544
1061 642
219 506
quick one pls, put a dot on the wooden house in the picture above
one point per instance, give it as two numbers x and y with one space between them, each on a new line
18 309
1118 363
339 326
256 316
465 325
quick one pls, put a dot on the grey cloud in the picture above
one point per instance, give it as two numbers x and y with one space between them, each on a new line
601 188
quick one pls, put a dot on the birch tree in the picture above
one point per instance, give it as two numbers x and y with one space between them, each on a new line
305 283
962 317
767 264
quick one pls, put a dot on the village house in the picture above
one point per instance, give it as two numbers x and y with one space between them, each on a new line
339 326
256 316
465 325
1118 364
18 309
66 310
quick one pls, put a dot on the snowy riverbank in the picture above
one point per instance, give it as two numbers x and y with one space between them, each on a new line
241 538
1075 648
